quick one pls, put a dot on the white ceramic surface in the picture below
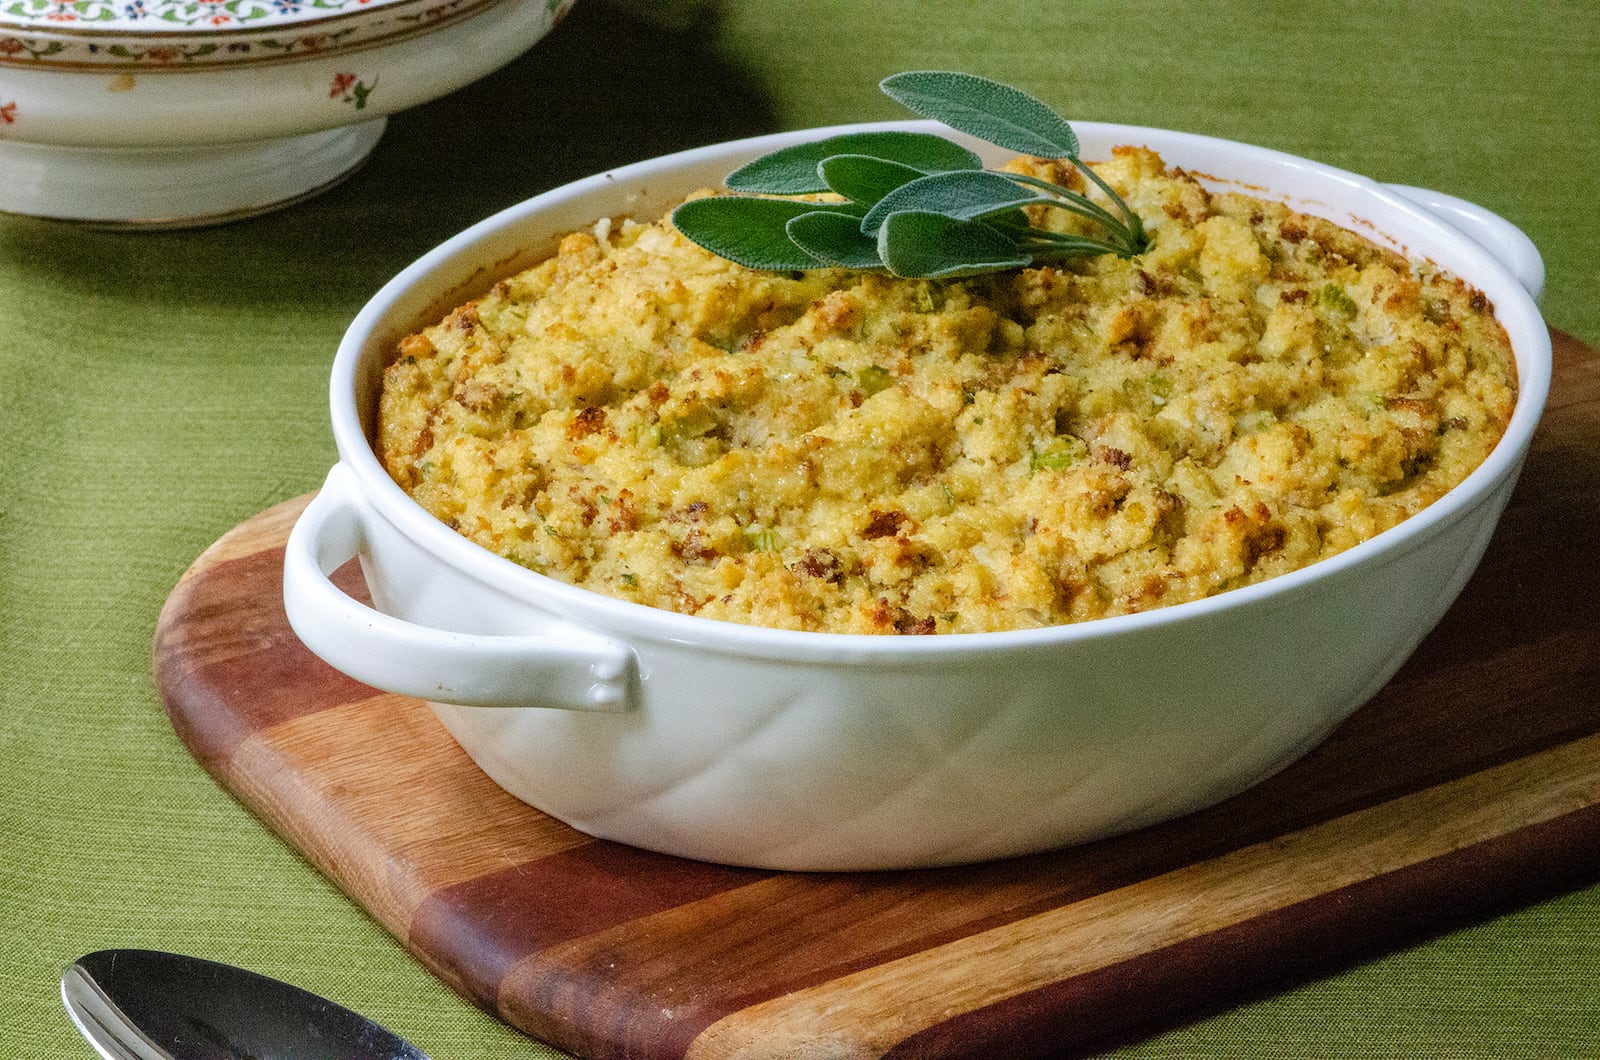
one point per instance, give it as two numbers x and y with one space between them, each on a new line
182 112
822 751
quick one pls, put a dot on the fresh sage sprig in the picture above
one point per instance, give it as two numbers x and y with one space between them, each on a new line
914 204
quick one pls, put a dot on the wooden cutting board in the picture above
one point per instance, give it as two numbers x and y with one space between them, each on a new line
1472 781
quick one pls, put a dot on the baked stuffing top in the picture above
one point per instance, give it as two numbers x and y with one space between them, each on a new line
853 452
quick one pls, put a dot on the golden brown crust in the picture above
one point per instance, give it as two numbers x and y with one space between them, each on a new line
854 453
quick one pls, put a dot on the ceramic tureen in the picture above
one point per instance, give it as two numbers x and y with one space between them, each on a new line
171 112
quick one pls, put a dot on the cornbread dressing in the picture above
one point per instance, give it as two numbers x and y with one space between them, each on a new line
857 453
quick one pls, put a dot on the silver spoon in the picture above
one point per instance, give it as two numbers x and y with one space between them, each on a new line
147 1005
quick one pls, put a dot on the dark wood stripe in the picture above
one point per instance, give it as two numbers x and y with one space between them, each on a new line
1120 1004
479 930
615 980
225 631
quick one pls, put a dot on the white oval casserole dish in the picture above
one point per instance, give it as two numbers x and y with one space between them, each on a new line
813 751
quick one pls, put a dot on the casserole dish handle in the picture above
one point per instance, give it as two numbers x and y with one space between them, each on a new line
558 665
1494 233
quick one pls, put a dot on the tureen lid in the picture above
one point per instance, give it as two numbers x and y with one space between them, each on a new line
172 16
179 33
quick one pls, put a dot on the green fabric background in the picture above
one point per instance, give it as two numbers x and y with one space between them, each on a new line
158 388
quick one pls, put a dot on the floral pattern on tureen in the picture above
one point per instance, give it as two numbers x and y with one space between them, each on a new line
171 14
182 34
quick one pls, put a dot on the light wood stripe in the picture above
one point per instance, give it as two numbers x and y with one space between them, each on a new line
689 959
357 789
867 1013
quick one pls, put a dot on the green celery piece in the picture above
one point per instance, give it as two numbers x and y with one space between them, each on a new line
793 170
1334 299
917 243
1060 454
759 538
989 110
873 378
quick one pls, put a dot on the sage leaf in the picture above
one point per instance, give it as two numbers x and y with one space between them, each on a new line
1059 246
913 203
793 170
964 196
835 239
999 114
1084 206
747 231
864 179
917 243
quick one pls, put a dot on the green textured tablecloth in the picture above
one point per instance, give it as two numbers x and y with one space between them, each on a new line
158 388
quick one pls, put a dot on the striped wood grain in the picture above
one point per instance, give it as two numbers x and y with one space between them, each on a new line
1471 781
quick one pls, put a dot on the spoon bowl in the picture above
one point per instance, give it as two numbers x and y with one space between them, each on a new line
149 1005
